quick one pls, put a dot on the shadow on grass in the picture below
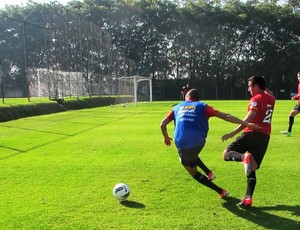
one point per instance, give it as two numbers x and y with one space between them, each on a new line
262 216
132 204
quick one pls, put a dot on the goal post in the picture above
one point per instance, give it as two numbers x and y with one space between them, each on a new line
134 89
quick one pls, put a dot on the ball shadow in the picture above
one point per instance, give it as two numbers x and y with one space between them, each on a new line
132 204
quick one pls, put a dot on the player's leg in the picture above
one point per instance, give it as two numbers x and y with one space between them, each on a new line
202 179
251 184
292 115
260 142
239 151
190 160
235 150
230 155
210 175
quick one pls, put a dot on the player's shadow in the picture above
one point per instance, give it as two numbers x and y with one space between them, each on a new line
261 216
132 204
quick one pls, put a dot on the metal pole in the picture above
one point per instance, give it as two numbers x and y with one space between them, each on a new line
150 88
135 90
2 84
68 52
81 57
25 53
25 56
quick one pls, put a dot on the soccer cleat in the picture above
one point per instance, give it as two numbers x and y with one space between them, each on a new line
247 201
224 194
287 133
211 176
246 162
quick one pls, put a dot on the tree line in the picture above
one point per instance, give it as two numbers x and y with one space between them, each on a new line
213 43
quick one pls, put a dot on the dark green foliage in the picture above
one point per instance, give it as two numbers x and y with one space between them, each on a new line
84 103
27 110
20 111
205 42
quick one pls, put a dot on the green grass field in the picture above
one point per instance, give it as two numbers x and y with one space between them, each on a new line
57 171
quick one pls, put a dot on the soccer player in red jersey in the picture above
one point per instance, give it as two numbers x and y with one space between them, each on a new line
252 145
184 91
191 127
295 111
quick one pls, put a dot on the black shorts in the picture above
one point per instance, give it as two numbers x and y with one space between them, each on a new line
189 157
255 143
297 107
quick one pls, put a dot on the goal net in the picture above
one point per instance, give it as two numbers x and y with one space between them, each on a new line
56 84
134 89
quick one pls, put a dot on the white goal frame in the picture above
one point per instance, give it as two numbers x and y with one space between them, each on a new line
136 79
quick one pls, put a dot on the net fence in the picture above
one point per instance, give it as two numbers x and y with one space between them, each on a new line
49 51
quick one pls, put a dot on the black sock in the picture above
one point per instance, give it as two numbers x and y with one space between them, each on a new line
233 156
201 165
291 122
251 183
206 182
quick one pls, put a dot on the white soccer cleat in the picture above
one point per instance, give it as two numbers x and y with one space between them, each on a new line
286 133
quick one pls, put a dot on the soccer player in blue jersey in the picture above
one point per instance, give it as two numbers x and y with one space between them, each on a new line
191 127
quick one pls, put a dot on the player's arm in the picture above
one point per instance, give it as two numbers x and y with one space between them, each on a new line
210 112
249 117
230 118
164 130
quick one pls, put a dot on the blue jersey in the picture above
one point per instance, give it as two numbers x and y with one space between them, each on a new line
191 125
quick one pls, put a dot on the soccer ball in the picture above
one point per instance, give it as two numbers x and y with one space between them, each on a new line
121 191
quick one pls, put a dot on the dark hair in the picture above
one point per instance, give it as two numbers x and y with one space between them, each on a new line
258 80
193 94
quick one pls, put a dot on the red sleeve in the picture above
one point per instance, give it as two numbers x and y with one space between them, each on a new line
253 104
170 115
210 111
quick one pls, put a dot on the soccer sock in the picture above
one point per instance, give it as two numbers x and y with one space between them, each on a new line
291 122
206 182
233 156
251 183
201 165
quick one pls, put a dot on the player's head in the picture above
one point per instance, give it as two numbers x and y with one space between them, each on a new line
259 81
256 84
192 94
298 76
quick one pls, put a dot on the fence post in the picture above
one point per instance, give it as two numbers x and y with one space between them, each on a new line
1 81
